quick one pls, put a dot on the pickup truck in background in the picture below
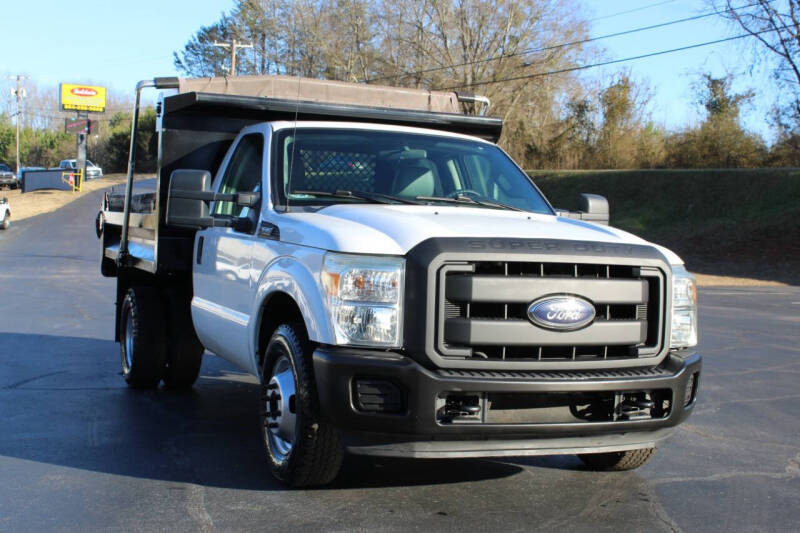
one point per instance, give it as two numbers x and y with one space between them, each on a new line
396 283
7 177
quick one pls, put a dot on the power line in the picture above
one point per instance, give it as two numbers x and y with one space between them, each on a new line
32 112
631 10
604 63
556 46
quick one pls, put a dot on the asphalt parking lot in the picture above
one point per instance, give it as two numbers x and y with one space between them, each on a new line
79 451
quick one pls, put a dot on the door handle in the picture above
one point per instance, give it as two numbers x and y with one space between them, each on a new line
200 250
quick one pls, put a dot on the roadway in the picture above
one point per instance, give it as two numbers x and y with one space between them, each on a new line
80 451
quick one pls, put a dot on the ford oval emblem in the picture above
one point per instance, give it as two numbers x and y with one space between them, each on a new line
564 313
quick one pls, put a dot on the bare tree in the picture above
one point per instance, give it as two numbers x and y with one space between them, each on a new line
775 24
470 45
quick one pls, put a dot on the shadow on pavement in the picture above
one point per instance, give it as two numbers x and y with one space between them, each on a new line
63 402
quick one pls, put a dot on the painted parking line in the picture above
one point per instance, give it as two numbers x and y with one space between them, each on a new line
743 293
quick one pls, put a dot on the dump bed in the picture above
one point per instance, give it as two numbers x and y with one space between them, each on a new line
197 124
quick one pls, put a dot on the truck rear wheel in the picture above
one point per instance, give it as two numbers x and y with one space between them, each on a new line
617 461
302 449
184 349
142 342
6 222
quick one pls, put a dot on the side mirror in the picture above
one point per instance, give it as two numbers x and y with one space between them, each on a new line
594 208
185 204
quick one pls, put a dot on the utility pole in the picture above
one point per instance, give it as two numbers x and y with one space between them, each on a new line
19 94
233 45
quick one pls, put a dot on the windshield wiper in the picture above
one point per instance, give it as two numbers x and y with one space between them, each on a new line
464 199
361 195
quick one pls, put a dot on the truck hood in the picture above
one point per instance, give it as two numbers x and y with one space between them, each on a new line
395 229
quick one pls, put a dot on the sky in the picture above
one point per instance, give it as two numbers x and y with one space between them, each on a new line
670 76
114 43
117 43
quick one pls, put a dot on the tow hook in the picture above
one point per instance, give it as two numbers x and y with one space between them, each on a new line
633 407
460 407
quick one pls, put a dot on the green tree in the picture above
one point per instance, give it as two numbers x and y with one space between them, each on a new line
719 141
620 122
650 147
199 57
118 144
6 140
722 140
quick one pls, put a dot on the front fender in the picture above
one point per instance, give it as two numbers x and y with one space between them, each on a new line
298 277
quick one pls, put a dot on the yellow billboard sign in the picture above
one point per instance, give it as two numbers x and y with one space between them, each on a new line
83 98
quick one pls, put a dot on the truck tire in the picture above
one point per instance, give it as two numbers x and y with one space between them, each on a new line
6 222
302 449
617 461
142 341
184 349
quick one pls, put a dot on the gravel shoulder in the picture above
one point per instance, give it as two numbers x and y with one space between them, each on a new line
711 280
45 201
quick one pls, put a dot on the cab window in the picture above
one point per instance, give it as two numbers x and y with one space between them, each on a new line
243 173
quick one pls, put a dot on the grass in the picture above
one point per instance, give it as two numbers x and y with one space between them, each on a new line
721 221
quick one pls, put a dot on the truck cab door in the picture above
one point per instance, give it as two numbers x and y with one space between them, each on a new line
222 274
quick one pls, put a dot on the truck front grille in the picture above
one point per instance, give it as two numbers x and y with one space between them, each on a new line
482 311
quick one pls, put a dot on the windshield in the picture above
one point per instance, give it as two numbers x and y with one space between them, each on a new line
4 167
410 167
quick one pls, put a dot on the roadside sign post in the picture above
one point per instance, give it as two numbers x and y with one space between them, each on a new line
83 99
80 163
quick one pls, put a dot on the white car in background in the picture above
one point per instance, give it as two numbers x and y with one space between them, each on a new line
92 170
5 214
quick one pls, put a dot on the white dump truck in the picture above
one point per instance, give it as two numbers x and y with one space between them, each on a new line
396 283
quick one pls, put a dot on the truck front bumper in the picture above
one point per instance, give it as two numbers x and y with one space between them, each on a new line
519 413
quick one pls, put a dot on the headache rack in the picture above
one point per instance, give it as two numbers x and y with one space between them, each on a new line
196 126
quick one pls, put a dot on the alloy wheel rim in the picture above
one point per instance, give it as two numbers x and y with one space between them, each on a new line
128 342
279 408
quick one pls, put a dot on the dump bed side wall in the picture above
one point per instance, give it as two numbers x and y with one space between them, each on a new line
182 148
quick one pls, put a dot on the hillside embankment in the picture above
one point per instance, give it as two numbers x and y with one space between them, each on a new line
740 223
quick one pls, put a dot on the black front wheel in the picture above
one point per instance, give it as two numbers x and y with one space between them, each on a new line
302 449
6 222
616 461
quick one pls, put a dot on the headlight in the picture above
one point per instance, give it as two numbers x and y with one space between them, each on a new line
684 309
365 298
